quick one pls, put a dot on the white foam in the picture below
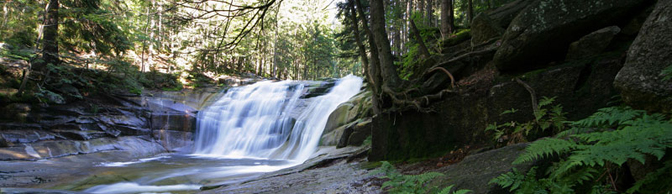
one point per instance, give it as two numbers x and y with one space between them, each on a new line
128 187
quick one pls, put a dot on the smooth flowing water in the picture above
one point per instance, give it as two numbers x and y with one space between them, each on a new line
253 129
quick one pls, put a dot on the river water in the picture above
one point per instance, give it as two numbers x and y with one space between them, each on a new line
251 130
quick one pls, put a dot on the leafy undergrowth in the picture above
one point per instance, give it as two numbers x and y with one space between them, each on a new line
401 183
595 155
65 83
547 119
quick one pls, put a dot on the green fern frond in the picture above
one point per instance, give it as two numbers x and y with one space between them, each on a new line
573 131
462 191
544 148
611 136
579 177
663 174
511 180
546 101
608 117
513 110
448 190
400 183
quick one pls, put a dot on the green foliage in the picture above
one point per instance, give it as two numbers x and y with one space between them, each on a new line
408 62
449 190
658 180
546 118
161 81
400 183
367 141
667 72
607 139
456 38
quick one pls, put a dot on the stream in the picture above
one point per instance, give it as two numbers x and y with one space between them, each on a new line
249 131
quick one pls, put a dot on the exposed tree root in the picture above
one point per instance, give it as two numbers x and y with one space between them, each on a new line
533 95
452 79
421 103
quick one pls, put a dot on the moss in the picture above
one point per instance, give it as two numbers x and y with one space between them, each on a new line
456 38
370 165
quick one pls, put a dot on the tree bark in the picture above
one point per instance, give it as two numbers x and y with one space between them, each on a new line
429 13
470 12
374 65
360 44
50 37
388 71
424 52
446 18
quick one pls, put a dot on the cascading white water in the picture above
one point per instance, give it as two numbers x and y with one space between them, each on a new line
253 129
258 121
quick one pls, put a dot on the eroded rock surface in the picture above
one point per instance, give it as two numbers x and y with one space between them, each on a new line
641 79
543 31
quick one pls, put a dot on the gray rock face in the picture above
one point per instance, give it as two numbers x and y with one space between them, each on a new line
491 24
359 133
592 44
640 81
484 29
343 121
543 31
503 15
476 170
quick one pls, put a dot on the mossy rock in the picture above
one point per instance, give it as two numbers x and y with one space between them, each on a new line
542 32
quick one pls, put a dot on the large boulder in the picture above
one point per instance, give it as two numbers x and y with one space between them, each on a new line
592 44
342 122
543 31
641 81
502 16
484 29
475 171
491 24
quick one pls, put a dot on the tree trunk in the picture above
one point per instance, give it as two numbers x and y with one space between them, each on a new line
407 21
428 14
470 12
374 65
424 52
446 18
388 71
421 6
5 15
49 40
360 44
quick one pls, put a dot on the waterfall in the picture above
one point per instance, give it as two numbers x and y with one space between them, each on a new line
269 120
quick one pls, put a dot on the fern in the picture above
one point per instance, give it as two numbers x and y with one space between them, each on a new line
511 180
544 148
611 136
662 175
448 190
545 118
545 101
609 117
400 183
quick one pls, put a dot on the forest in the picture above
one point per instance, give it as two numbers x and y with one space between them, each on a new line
552 96
203 40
